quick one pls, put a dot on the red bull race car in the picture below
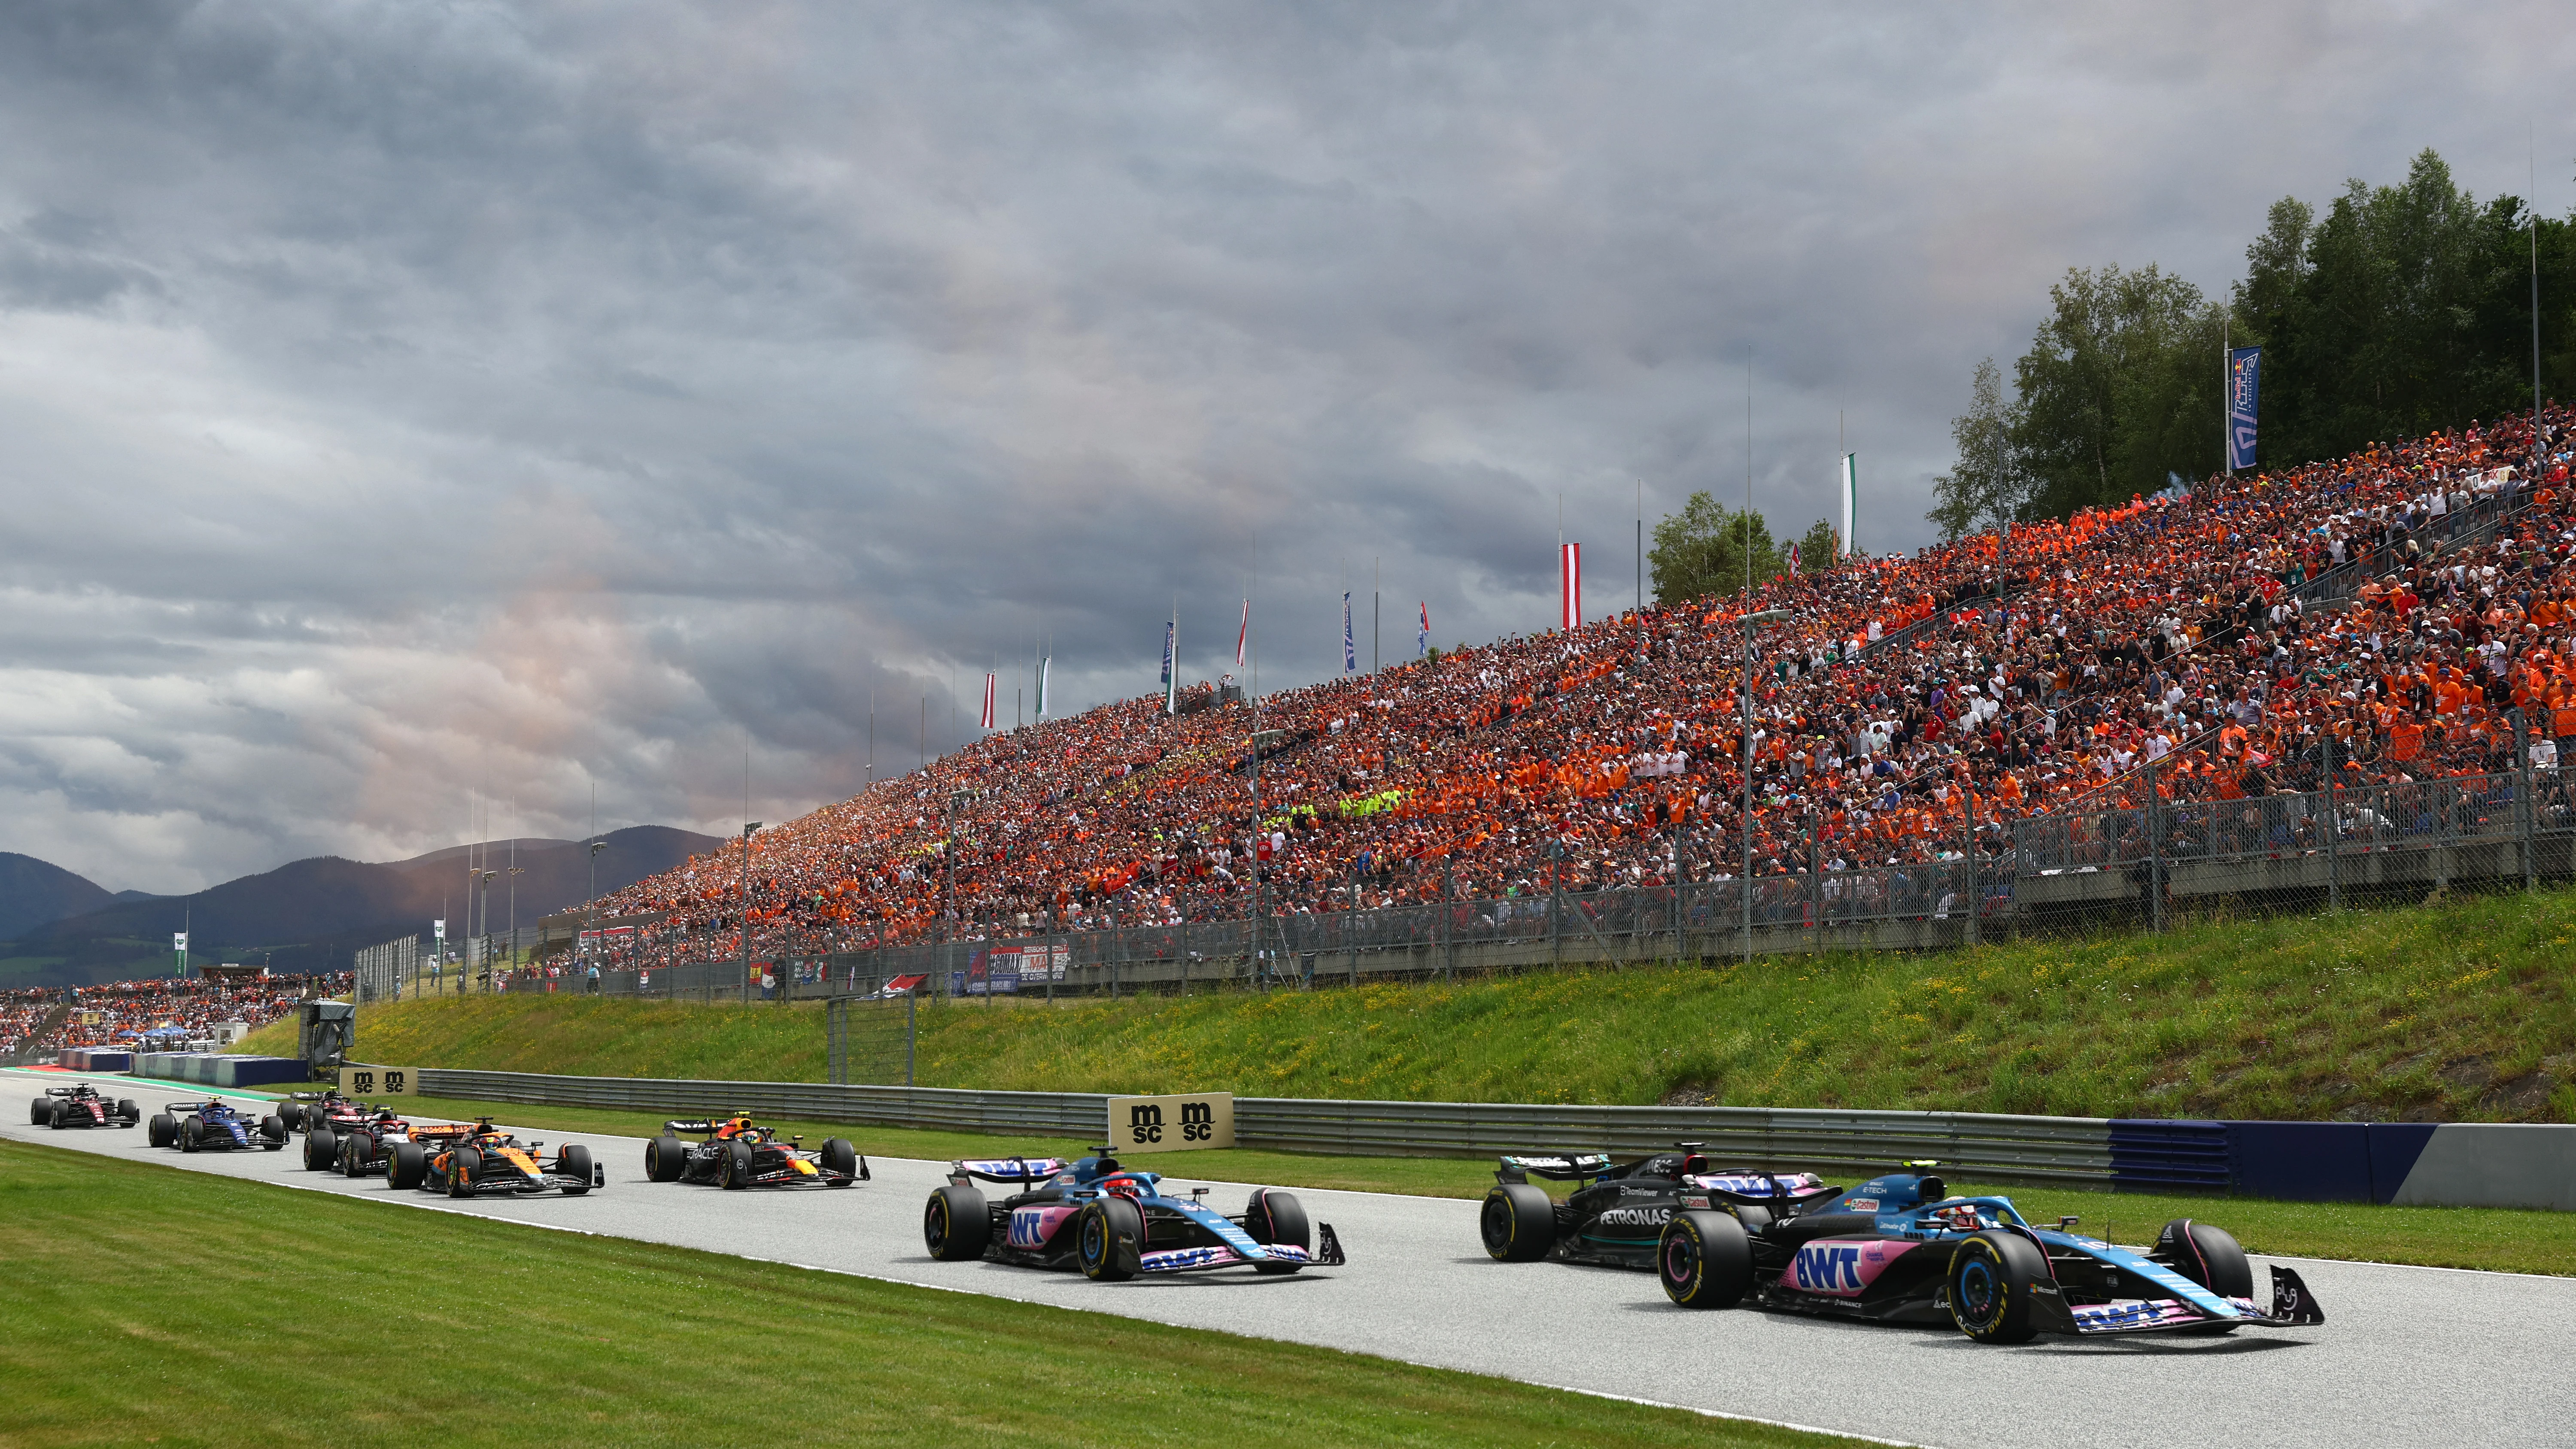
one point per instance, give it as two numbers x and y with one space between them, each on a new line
1113 1223
214 1126
739 1153
1900 1249
477 1159
81 1105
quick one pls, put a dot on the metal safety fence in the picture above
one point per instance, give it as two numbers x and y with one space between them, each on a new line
2444 1164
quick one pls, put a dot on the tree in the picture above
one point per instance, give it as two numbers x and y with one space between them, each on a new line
1700 551
1983 486
1816 548
2119 391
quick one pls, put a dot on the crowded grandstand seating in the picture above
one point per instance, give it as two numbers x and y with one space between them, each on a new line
2385 615
40 1022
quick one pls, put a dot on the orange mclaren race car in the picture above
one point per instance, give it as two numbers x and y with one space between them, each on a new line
739 1152
477 1159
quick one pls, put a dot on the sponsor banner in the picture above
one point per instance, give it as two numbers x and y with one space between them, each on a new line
377 1081
1171 1124
607 936
1015 968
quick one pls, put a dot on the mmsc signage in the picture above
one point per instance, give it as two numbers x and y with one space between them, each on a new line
1171 1124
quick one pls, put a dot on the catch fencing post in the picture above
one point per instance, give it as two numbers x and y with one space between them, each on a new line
911 1033
2522 797
2334 827
2155 859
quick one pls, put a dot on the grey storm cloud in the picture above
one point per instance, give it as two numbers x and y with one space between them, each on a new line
409 406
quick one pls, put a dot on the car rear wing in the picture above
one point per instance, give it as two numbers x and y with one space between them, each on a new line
1754 1186
1561 1167
178 1109
1005 1169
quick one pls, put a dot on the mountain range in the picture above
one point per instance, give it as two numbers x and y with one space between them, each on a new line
306 915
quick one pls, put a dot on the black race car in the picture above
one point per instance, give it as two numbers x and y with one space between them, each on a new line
214 1126
81 1105
739 1152
345 1135
1616 1214
1899 1249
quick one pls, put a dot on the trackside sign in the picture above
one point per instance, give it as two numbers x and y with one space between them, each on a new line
1171 1124
376 1081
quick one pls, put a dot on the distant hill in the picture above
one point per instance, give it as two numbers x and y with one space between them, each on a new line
312 913
33 892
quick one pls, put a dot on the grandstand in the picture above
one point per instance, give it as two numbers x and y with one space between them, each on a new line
36 1024
2002 705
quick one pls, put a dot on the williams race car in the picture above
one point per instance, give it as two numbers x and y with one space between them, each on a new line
1113 1223
740 1153
1899 1249
213 1126
81 1106
1616 1214
478 1159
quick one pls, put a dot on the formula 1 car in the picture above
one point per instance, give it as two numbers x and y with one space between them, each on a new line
1899 1249
81 1105
1112 1223
477 1159
213 1126
740 1153
331 1123
1617 1211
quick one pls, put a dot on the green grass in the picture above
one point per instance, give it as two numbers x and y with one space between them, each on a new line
2457 1012
2496 1239
291 1318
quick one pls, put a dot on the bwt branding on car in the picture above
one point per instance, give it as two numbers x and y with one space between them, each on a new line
1169 1124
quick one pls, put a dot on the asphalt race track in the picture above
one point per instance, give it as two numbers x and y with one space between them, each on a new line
2407 1354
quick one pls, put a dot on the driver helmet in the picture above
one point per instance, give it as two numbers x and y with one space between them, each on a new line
1123 1186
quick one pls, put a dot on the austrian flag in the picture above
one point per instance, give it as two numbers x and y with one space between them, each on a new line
1569 578
991 688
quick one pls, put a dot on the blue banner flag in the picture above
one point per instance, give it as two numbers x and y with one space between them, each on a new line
1350 641
2244 379
1169 630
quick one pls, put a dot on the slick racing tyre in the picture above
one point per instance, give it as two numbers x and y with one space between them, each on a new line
1518 1223
1990 1281
575 1163
1704 1260
461 1167
127 1113
1276 1217
956 1225
321 1148
2207 1257
192 1135
840 1156
407 1166
356 1151
163 1131
1109 1240
40 1112
272 1133
734 1167
292 1114
666 1158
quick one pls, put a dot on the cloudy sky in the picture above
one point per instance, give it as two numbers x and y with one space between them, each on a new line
402 406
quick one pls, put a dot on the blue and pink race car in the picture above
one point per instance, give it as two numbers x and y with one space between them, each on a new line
1113 1223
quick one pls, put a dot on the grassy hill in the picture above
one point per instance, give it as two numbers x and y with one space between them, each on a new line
2458 1012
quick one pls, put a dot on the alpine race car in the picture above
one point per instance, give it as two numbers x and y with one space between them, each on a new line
81 1105
740 1153
1616 1214
213 1126
1113 1223
1899 1249
477 1159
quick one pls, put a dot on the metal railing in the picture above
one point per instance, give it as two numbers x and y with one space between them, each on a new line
1991 1147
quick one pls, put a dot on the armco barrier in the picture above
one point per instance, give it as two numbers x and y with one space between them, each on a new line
2462 1165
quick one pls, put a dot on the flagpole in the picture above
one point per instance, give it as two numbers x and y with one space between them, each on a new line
2226 387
